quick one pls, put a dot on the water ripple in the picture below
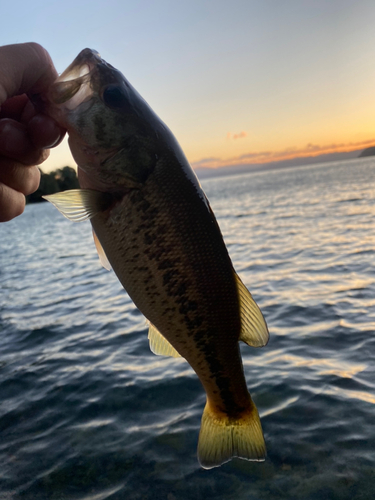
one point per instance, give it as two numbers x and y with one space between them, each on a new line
88 412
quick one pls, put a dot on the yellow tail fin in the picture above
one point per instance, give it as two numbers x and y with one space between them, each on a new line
222 438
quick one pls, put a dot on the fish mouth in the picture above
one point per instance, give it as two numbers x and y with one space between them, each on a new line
76 84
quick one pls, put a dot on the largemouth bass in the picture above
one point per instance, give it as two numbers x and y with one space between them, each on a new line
153 225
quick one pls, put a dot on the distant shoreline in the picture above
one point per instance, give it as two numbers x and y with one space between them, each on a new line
205 173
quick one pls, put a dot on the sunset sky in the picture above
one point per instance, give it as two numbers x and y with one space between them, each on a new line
246 81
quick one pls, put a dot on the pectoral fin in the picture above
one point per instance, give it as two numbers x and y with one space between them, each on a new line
159 344
102 256
78 205
254 331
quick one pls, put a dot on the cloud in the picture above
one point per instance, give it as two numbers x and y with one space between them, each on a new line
240 135
260 157
210 162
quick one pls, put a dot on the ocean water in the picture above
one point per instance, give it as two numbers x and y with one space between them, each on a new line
87 412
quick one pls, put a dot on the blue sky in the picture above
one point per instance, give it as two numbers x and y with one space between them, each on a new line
237 81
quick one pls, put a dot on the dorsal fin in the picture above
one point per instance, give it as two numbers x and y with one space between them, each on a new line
159 344
254 331
102 256
78 205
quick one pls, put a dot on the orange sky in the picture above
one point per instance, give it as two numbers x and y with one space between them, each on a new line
236 82
261 157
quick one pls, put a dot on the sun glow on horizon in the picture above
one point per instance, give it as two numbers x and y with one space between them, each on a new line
289 153
61 156
258 82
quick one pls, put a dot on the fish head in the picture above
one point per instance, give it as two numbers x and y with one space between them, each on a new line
113 133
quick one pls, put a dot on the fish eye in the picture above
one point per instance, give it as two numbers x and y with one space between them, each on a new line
114 97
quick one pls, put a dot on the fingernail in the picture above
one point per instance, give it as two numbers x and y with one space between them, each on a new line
56 142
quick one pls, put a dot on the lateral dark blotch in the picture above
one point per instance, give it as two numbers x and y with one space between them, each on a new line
165 264
148 238
168 277
188 306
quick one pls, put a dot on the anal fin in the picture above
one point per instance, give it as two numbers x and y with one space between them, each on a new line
159 344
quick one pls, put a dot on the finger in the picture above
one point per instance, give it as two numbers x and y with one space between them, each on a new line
12 203
15 143
24 68
44 132
18 177
14 107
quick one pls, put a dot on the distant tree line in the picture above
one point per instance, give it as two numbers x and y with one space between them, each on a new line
54 182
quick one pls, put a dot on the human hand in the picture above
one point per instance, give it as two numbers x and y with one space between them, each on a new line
25 133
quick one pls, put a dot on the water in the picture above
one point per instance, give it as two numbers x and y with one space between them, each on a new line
87 412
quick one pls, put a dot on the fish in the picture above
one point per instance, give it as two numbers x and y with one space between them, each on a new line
153 225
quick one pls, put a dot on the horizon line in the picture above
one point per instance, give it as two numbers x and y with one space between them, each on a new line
266 157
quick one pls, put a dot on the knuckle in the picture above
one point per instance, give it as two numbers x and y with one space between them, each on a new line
32 181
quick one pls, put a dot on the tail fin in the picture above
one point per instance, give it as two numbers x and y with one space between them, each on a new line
222 438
